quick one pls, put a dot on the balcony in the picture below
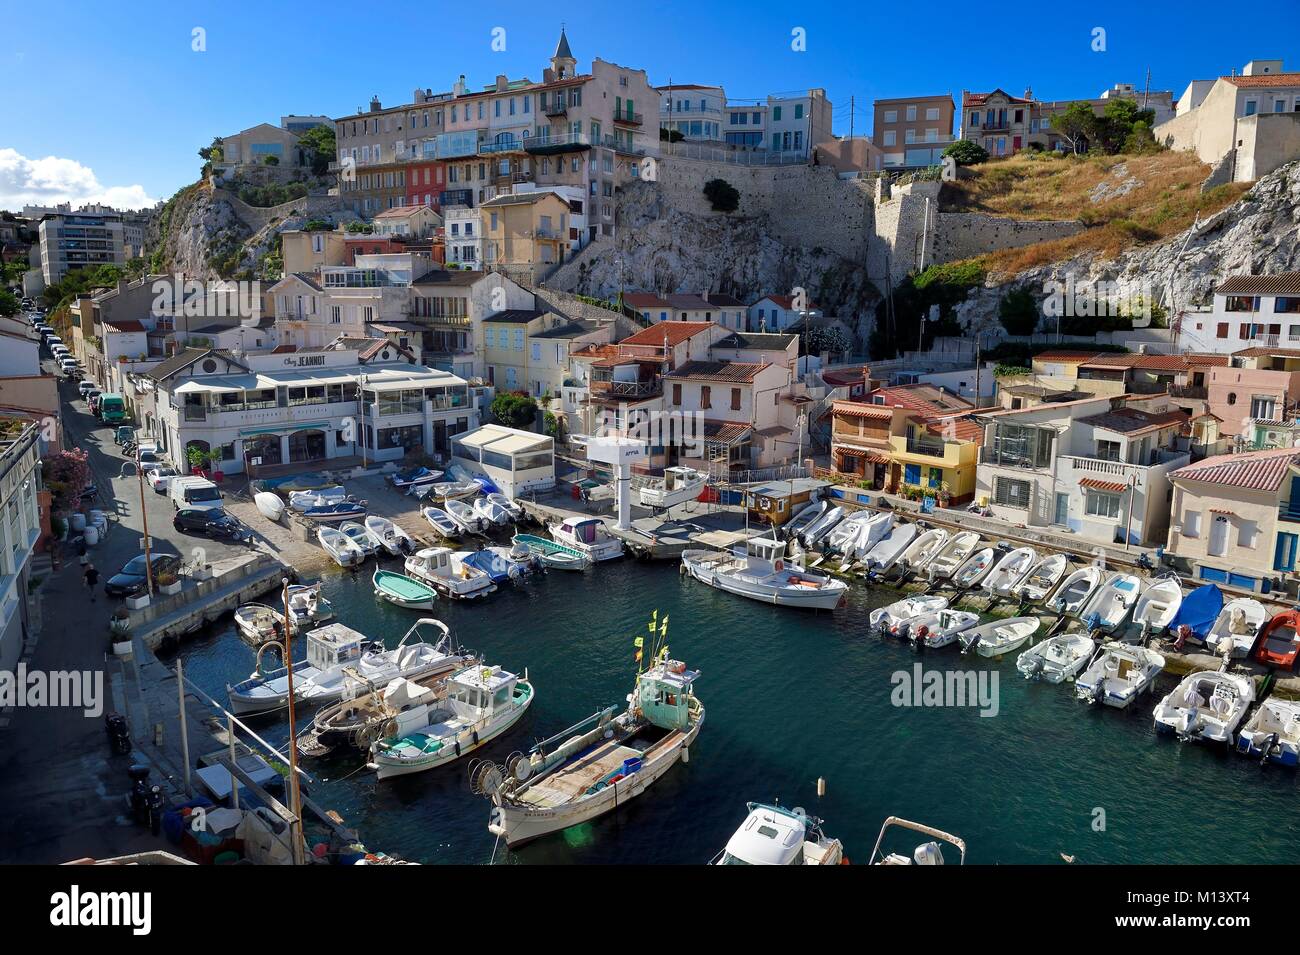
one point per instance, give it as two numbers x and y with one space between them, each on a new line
628 119
934 449
1189 391
562 143
606 390
555 110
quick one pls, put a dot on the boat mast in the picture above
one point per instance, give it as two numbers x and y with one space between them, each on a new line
295 794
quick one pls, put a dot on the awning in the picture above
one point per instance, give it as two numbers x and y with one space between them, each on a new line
862 410
214 386
724 432
870 454
289 428
1115 487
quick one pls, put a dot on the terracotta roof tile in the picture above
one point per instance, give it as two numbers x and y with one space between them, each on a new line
1254 470
1280 283
673 332
1266 79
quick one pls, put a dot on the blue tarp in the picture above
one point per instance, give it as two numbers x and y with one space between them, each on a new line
1199 610
491 563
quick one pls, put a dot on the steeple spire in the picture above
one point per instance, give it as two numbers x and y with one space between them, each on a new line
563 62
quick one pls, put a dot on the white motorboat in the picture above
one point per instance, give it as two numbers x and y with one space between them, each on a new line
974 568
951 556
844 535
881 558
307 606
258 623
997 637
466 518
896 615
1111 604
921 551
804 518
340 661
677 486
269 505
936 630
441 522
1119 675
1010 571
588 536
599 769
1075 591
1158 605
822 526
492 512
760 572
1057 658
877 529
1236 627
1038 583
927 853
359 535
388 536
340 546
773 835
448 490
478 705
1207 705
305 500
449 574
1273 733
511 507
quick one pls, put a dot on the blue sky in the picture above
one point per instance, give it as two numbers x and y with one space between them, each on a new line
124 101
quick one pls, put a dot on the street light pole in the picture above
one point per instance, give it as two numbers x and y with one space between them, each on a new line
144 518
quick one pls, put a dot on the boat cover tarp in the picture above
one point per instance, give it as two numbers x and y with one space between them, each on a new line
492 564
1199 610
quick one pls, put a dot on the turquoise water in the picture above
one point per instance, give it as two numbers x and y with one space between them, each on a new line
792 696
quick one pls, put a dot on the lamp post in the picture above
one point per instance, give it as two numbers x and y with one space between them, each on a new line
144 518
361 408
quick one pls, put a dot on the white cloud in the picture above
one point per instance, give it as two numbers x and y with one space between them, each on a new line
51 180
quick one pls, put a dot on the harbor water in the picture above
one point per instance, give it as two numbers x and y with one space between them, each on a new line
791 696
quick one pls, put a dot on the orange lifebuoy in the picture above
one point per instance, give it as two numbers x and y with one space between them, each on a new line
780 565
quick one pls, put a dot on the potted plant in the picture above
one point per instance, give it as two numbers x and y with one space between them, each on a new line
167 581
198 460
119 632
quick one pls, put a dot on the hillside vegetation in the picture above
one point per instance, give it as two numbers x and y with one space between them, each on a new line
1124 201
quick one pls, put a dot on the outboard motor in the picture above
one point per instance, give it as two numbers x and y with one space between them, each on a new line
970 643
155 805
1267 747
1035 668
928 853
1144 562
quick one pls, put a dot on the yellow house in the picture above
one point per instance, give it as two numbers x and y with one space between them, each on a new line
505 347
934 453
526 230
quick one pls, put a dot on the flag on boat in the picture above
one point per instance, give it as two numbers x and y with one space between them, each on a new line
639 642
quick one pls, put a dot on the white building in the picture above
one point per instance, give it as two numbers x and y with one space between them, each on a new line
20 529
776 313
1248 310
78 241
515 461
463 233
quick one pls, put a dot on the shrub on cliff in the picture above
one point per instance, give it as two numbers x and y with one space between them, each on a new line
967 153
722 195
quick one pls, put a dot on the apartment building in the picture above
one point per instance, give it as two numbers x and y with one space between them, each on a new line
912 131
79 240
526 233
505 347
694 111
786 125
1247 310
450 307
1259 384
726 310
20 530
260 144
463 232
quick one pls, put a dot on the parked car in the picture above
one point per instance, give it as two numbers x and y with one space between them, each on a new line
86 388
149 460
123 435
213 521
132 578
160 478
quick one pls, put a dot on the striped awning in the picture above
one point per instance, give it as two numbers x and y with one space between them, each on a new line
1094 484
870 454
862 410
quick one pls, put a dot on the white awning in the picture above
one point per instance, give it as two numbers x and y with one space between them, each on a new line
216 385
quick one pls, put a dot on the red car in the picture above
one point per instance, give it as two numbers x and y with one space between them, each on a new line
1279 642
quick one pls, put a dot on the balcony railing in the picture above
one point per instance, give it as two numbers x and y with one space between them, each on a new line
556 109
934 449
1188 391
628 119
626 389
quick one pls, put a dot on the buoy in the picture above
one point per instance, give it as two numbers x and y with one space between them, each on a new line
821 786
686 754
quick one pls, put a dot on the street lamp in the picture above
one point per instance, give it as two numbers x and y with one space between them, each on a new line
144 518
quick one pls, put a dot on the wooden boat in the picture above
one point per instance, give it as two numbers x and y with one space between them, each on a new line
1279 642
772 835
440 568
403 591
1273 733
951 556
1206 705
941 629
552 554
1000 636
1038 583
759 572
360 536
887 552
895 615
589 536
1111 604
269 505
1010 570
1075 591
1236 627
927 853
677 486
258 623
1158 605
1119 675
388 536
339 546
441 522
1057 658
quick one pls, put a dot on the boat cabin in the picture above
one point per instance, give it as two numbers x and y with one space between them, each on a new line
769 836
480 691
589 535
333 645
763 553
664 693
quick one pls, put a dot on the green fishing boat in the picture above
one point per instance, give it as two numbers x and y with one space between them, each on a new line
404 591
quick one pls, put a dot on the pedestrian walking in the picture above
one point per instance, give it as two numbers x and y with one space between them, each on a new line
92 578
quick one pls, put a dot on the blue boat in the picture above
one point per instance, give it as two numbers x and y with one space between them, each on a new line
309 481
340 511
414 477
1198 612
495 565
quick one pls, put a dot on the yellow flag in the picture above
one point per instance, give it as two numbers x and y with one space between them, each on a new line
638 656
654 622
663 630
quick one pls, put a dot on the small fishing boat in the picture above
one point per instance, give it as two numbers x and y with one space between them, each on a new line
927 853
552 555
941 629
921 551
388 536
804 518
1206 705
491 512
441 522
1057 658
759 572
997 637
339 546
466 518
879 559
305 500
307 606
951 556
409 478
822 526
307 481
773 835
974 568
1010 571
336 513
885 619
1159 604
1236 627
359 535
448 574
1075 591
269 505
1279 641
403 591
588 536
1196 615
258 623
1038 583
1119 675
340 661
596 771
1273 733
677 486
510 507
1111 604
479 704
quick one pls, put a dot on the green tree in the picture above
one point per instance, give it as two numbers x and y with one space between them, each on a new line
1019 312
967 153
1118 121
514 409
215 152
9 304
320 143
722 195
1076 125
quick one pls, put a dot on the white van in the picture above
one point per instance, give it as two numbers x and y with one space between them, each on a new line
193 492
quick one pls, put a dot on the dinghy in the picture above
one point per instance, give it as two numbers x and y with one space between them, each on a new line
1197 615
821 527
951 556
772 835
448 490
410 478
1111 604
307 606
336 513
921 551
258 623
1206 705
511 508
403 591
441 522
927 853
759 571
1158 605
491 512
677 486
897 614
885 554
466 518
1279 642
1000 636
843 537
305 500
388 536
1236 627
1038 583
804 518
493 562
936 630
360 536
339 546
269 505
1119 675
1057 658
876 530
1075 591
443 570
1010 570
974 568
553 555
1273 733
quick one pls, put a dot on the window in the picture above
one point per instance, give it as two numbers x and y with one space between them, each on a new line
1102 504
1108 450
705 393
1241 303
1251 107
798 111
1263 407
911 114
677 394
932 112
735 399
1192 524
1011 493
1247 531
1222 330
912 474
776 114
891 115
890 138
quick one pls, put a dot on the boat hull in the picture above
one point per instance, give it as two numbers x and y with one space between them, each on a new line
387 768
781 596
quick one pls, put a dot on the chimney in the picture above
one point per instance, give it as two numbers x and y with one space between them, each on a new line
459 89
1029 94
705 296
502 82
374 104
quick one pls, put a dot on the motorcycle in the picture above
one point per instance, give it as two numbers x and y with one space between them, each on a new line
119 734
155 805
140 794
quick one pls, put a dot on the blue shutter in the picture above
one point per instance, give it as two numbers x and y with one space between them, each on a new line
912 474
